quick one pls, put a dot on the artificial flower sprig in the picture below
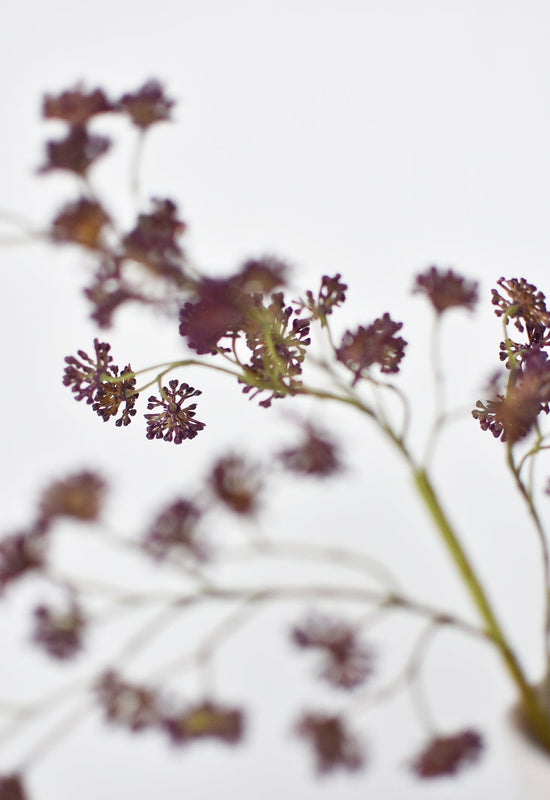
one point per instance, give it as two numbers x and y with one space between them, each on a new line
245 327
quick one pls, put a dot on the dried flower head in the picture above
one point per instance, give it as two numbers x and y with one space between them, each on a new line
85 375
147 106
11 788
59 632
376 344
446 289
261 275
21 553
175 530
527 307
521 302
79 496
109 291
127 704
217 313
446 755
222 305
275 344
206 721
488 415
76 152
317 455
348 663
278 348
513 415
92 380
175 422
75 106
110 396
237 483
333 744
80 223
332 293
153 241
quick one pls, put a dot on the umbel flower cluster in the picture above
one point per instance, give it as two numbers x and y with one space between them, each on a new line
248 328
512 414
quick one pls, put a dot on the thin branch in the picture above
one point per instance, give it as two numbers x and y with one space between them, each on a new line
203 654
527 497
439 390
406 678
136 164
54 736
345 594
152 628
22 714
309 551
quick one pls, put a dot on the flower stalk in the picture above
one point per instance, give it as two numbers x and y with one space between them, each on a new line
242 326
533 710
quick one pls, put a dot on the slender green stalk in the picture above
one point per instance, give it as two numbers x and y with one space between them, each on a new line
166 366
534 713
533 710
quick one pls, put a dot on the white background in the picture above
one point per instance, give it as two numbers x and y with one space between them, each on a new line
370 138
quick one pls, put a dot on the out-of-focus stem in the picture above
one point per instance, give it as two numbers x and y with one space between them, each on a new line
528 499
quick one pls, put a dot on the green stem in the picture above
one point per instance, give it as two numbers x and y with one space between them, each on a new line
532 709
166 366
